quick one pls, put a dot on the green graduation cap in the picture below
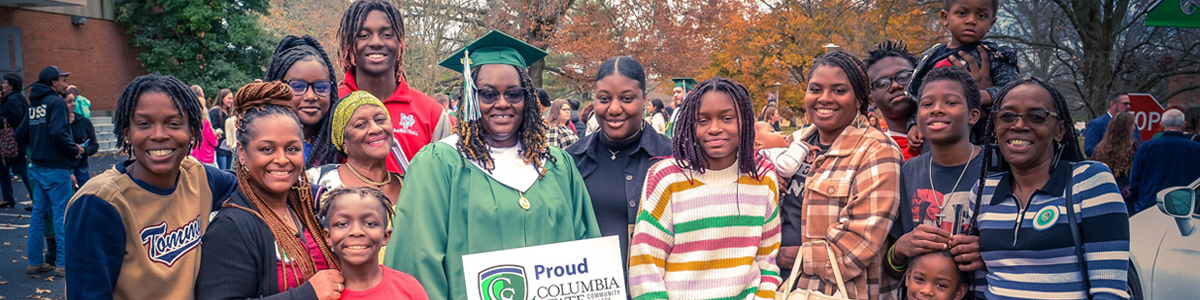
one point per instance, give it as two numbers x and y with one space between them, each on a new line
495 47
686 83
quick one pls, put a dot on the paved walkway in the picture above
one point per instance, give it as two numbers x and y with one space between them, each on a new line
14 230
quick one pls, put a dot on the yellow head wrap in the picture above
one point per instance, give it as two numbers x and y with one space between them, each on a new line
345 109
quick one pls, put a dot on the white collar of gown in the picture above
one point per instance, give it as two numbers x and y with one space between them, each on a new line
511 170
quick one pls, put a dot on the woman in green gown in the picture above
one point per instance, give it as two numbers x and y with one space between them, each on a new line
494 185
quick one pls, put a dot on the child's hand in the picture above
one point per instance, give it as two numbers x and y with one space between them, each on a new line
979 68
787 257
921 240
914 138
965 249
328 284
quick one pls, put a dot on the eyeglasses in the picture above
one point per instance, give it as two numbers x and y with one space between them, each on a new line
489 97
903 78
320 87
1036 117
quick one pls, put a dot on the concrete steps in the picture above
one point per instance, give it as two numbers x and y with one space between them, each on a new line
102 120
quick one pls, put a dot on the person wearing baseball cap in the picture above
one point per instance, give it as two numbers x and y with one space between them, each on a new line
53 152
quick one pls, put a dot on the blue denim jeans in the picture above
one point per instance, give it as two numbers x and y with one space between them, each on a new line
223 161
52 191
82 175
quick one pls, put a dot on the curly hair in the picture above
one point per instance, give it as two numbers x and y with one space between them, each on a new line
890 48
472 142
1116 148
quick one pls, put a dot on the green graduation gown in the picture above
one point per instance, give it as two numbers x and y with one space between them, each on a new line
449 208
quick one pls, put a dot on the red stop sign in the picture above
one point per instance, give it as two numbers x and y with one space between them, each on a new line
1147 114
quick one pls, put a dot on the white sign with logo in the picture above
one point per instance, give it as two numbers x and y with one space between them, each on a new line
586 269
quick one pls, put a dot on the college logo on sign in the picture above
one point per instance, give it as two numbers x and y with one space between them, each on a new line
503 282
1045 218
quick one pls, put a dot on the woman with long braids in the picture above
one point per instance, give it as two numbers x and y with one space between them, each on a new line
614 161
158 197
850 190
265 241
302 64
496 184
708 227
1054 226
371 54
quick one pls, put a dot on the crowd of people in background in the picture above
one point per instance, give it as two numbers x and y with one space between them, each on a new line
941 176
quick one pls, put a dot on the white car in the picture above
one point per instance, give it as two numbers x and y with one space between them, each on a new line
1164 247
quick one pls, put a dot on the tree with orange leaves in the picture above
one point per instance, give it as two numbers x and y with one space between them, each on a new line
765 44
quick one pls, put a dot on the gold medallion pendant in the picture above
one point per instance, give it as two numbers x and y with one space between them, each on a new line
523 202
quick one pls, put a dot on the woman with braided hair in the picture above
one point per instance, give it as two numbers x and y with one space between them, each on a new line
371 53
850 179
303 65
496 184
1054 226
709 221
265 241
131 231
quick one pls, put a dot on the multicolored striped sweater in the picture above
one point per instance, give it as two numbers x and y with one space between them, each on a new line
706 236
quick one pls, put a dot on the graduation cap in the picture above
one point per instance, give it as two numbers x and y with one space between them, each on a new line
493 48
686 83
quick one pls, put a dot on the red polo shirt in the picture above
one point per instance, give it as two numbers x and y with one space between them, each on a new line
414 116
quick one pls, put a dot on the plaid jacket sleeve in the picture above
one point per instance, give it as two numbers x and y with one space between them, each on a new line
850 204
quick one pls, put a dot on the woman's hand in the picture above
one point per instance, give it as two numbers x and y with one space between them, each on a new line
328 284
965 249
787 257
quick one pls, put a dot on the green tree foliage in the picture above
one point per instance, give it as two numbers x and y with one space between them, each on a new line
213 43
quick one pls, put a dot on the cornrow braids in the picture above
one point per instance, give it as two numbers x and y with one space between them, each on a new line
255 101
855 72
180 94
352 21
292 49
532 132
688 153
363 192
890 48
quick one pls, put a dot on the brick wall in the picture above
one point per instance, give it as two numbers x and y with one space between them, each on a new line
97 53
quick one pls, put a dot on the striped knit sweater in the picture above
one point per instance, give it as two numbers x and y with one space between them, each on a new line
1029 251
705 236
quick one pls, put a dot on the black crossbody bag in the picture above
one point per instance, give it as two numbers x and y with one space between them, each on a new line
1076 235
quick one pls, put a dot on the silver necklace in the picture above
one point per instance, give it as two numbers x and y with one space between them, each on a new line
614 154
956 182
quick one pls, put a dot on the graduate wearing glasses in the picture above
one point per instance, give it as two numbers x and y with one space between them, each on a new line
495 184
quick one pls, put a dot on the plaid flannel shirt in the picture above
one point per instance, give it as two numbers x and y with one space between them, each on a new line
560 136
850 202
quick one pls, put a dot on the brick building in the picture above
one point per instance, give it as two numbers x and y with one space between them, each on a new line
38 33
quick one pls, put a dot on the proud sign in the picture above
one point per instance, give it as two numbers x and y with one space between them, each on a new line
1147 114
